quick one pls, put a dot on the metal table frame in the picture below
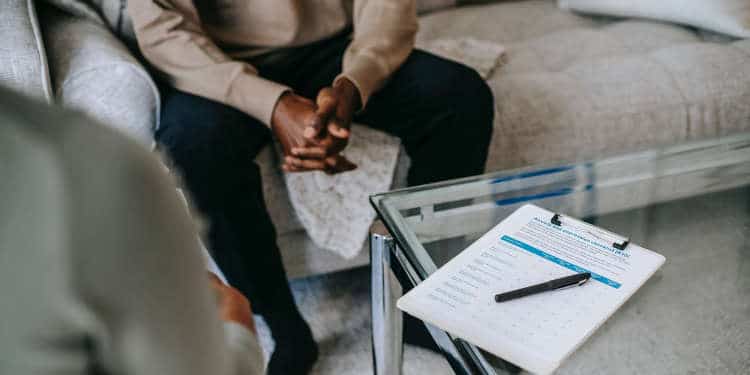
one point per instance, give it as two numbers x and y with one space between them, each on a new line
387 320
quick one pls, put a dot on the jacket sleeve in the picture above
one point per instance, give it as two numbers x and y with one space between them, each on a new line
384 32
171 37
140 271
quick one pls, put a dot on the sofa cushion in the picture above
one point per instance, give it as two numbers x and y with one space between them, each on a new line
94 72
731 17
575 87
424 6
22 58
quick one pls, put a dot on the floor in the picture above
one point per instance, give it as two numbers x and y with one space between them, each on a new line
337 307
690 318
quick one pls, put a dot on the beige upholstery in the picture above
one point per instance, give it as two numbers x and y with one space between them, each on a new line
575 86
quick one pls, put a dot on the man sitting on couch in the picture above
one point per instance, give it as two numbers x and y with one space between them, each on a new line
242 71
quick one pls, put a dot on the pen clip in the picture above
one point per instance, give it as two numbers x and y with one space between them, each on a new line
617 241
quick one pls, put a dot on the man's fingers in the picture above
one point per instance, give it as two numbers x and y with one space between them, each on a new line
327 102
336 144
288 168
332 145
292 169
305 164
314 123
343 164
309 152
330 165
336 129
338 164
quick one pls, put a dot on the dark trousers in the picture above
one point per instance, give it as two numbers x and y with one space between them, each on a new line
442 112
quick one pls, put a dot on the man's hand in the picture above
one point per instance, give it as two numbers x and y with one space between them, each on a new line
336 107
233 306
293 116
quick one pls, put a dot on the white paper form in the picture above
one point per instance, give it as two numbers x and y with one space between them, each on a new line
536 332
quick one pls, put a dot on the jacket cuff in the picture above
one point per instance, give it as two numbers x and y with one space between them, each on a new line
365 74
256 96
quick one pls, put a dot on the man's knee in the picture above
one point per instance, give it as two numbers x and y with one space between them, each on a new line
471 103
212 145
188 119
473 97
451 85
472 106
198 129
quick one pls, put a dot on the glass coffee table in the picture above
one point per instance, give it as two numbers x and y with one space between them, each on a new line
691 203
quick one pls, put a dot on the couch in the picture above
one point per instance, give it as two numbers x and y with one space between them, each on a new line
570 87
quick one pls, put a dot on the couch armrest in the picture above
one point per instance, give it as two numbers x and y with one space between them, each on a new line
94 72
23 65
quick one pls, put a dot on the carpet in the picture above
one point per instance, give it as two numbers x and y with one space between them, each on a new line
337 306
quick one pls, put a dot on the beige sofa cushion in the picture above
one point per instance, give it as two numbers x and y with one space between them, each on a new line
424 6
730 17
576 87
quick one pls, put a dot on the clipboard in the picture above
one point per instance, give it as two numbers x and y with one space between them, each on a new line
584 228
532 245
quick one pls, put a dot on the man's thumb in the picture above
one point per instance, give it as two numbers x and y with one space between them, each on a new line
326 102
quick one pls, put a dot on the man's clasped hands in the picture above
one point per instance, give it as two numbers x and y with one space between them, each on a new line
313 134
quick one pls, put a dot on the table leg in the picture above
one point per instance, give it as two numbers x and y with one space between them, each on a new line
387 320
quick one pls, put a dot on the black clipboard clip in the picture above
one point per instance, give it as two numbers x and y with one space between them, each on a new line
618 242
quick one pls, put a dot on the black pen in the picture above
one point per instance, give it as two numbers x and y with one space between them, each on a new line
577 279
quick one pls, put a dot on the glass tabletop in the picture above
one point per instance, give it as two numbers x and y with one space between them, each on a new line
691 203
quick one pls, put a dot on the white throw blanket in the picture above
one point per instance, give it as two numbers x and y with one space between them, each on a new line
335 210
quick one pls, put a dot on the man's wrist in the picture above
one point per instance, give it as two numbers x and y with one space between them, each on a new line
350 90
278 107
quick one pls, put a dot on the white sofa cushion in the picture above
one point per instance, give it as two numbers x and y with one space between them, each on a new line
730 17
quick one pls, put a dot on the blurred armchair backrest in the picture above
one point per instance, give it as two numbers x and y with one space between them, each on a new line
109 12
93 71
23 65
74 59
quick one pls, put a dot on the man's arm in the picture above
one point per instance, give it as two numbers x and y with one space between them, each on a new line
171 37
384 32
138 267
